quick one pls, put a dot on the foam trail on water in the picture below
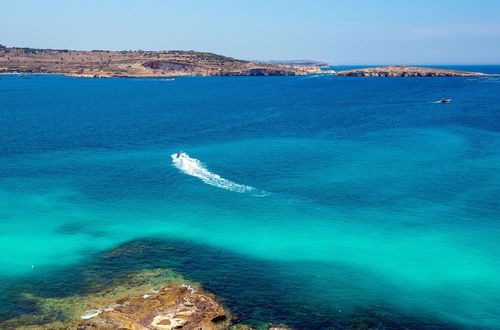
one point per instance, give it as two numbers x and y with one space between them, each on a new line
193 167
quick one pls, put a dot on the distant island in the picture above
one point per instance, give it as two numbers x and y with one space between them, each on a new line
103 63
171 63
406 71
297 63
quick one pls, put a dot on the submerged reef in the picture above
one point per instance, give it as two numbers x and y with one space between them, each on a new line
155 284
154 299
101 301
138 299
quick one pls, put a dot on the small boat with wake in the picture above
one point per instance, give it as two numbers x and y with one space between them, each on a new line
194 167
445 101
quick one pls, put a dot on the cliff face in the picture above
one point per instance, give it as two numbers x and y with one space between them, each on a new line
297 62
100 63
406 71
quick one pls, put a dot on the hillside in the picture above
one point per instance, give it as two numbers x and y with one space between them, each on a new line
311 63
102 63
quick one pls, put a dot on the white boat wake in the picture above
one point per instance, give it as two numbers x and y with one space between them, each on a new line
193 167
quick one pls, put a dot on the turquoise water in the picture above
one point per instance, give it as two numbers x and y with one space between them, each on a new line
342 198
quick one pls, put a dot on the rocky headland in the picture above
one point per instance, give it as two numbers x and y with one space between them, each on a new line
406 71
142 300
102 63
171 307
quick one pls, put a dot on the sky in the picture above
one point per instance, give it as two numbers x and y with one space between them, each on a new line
339 32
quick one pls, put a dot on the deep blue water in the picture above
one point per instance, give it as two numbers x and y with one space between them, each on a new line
315 201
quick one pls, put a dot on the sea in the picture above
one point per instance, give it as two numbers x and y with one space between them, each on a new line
319 202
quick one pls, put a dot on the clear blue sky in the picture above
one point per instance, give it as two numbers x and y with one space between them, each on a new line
340 32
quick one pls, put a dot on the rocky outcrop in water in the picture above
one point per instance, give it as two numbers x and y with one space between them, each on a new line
101 63
171 307
142 300
406 71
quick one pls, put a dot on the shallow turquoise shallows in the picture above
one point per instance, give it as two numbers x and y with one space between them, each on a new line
312 201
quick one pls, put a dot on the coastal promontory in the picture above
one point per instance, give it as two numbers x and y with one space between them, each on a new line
169 63
406 71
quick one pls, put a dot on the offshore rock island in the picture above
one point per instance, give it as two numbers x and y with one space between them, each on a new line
406 71
102 63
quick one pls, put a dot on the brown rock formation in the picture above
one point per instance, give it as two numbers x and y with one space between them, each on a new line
142 300
406 71
148 299
100 63
172 307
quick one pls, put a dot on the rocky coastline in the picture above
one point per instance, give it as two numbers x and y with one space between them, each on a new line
173 63
102 63
170 307
147 299
406 71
